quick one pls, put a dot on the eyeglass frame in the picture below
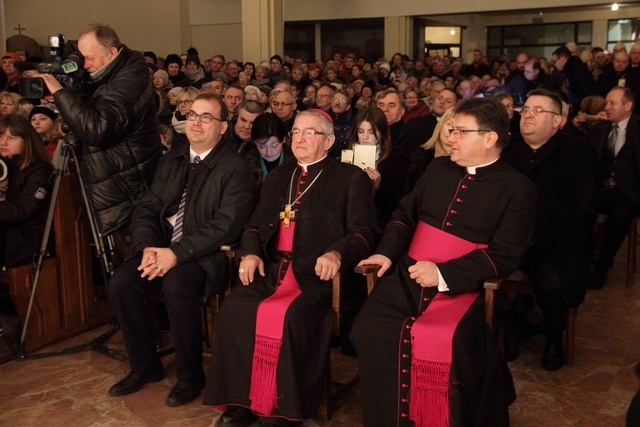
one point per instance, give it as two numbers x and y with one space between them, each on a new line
185 102
305 132
536 110
204 117
457 133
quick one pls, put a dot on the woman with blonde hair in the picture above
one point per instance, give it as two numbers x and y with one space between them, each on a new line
9 103
435 146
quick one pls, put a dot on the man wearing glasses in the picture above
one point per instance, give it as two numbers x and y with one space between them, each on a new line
424 350
561 168
315 218
200 198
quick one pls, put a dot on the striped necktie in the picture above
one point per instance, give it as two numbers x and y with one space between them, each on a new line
613 139
177 229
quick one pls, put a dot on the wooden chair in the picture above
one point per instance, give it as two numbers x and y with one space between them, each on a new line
520 283
211 303
335 392
632 243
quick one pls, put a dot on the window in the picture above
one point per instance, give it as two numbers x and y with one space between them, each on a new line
625 30
536 39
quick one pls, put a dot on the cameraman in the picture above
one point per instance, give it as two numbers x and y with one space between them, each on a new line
116 125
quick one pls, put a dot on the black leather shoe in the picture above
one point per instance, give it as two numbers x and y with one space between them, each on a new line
184 392
135 381
553 357
236 416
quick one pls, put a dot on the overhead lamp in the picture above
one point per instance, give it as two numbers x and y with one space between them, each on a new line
614 7
452 32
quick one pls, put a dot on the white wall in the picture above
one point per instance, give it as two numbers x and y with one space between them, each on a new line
140 24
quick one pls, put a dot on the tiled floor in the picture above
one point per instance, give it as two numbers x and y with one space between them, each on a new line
71 390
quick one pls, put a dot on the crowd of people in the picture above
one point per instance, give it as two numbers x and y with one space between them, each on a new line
479 169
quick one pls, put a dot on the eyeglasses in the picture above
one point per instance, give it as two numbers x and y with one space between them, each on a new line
204 117
457 133
309 132
281 104
340 101
536 110
322 95
185 102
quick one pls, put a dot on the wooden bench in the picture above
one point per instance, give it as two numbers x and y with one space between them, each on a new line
66 303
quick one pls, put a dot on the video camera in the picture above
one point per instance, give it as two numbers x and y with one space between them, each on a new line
65 63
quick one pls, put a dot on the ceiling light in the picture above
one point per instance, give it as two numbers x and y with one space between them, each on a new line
452 32
614 6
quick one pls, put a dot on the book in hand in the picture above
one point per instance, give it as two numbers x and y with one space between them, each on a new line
363 156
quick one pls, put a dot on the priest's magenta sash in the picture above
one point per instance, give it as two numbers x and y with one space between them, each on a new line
269 330
432 333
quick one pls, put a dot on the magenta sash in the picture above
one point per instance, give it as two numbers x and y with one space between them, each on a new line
432 333
263 392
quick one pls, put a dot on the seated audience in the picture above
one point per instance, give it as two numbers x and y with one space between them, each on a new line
273 334
200 197
561 168
25 190
616 144
266 150
425 353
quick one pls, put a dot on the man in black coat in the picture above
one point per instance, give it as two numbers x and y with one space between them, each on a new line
117 125
616 144
200 199
315 217
561 168
578 79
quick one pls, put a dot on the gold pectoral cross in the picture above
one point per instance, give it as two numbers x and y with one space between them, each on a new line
287 215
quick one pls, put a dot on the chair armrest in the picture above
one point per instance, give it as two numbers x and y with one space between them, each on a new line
371 272
367 269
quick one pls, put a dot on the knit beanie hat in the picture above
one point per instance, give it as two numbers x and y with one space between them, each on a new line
162 74
193 58
41 109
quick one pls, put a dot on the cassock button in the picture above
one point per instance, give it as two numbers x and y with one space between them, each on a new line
449 224
464 186
405 356
405 385
406 341
404 415
404 400
459 200
470 178
453 211
405 371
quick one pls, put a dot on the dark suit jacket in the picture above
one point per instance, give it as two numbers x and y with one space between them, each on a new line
562 171
597 139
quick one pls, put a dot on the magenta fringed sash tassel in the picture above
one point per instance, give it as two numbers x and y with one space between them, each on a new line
263 392
432 333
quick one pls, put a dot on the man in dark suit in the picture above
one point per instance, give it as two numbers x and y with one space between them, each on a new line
200 198
561 168
616 146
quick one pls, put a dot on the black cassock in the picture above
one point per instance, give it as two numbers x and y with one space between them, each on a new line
337 213
495 207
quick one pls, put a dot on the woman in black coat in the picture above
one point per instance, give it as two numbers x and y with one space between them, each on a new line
26 190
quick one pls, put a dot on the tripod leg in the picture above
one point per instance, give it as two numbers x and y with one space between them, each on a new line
43 248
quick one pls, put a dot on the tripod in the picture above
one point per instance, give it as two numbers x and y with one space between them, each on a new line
104 252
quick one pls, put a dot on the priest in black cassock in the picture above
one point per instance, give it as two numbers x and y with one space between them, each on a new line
315 218
425 354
